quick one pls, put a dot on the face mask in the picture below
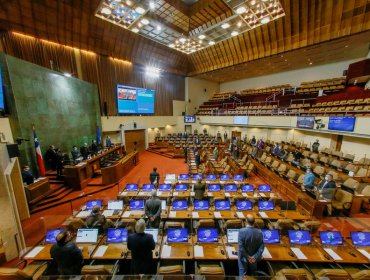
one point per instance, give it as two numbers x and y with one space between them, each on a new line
326 178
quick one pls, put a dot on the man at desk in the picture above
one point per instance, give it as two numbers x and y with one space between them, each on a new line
154 176
327 187
67 255
96 220
27 175
94 147
250 248
153 208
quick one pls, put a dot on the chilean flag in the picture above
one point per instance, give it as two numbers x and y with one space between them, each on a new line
40 161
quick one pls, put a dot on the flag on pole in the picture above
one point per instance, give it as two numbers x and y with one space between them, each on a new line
98 134
40 161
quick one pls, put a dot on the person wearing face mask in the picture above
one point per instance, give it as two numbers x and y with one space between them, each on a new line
308 180
327 187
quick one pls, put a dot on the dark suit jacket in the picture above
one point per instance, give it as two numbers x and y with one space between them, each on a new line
96 221
328 189
153 208
68 258
250 243
141 246
27 177
153 175
199 189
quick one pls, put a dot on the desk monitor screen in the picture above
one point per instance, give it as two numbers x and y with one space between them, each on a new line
131 187
180 204
238 177
224 177
148 187
360 238
154 232
177 235
197 177
136 204
207 235
211 177
270 236
264 188
51 235
87 235
299 237
201 205
214 187
91 203
117 235
165 187
222 204
115 204
232 235
181 187
265 205
247 188
244 205
184 177
331 238
231 188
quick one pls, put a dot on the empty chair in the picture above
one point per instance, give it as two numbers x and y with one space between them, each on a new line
311 226
349 157
275 165
232 224
100 269
30 271
291 175
319 170
342 200
336 164
173 224
75 224
337 274
351 184
127 223
324 160
282 169
209 268
171 268
206 223
363 172
314 156
337 154
268 161
283 225
297 273
350 168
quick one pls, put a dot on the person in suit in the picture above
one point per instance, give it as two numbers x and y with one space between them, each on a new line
253 141
250 247
59 163
96 219
84 150
108 142
275 150
315 146
199 190
327 187
141 245
186 153
154 176
27 175
50 157
94 147
75 153
225 136
153 208
197 158
66 255
215 154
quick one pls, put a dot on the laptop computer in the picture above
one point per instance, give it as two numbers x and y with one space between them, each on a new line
116 205
147 187
131 187
137 204
51 235
231 188
181 187
117 235
197 177
214 187
87 235
244 205
177 235
232 235
264 188
360 238
265 205
164 187
154 232
211 177
331 238
224 177
238 177
299 237
270 236
248 188
180 204
90 204
201 204
184 177
222 204
207 235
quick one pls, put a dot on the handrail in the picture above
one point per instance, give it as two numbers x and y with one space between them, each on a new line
302 99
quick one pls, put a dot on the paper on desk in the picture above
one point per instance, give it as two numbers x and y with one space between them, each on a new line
137 212
299 253
192 193
108 213
263 215
126 214
166 251
198 251
364 252
34 252
175 193
227 194
217 215
195 215
262 194
172 214
255 195
207 182
272 194
266 254
222 182
209 194
101 251
240 215
83 214
332 254
245 194
123 193
230 250
159 193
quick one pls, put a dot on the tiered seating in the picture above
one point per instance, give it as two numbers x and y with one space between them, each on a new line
328 85
207 110
270 90
222 95
265 109
340 107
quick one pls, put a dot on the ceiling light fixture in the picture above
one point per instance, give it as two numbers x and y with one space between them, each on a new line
171 45
152 5
211 43
67 74
159 28
241 10
225 25
265 20
145 21
135 30
182 40
234 33
139 10
202 36
129 2
106 11
152 71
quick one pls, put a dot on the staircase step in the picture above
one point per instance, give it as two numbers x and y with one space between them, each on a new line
59 197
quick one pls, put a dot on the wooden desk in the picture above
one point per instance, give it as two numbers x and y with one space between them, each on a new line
134 214
225 215
287 214
179 194
38 190
179 215
211 251
127 194
357 203
179 251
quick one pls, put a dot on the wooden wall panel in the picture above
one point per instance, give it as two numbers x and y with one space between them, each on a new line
132 136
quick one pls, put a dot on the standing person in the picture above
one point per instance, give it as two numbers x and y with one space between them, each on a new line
297 156
94 147
75 153
199 190
215 154
141 245
315 146
186 153
154 176
308 180
84 150
253 141
218 134
59 163
250 248
153 208
197 158
108 142
67 255
50 157
225 136
327 187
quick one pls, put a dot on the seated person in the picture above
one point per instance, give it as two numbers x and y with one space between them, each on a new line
96 220
283 154
75 153
308 180
297 155
153 208
327 187
275 149
27 175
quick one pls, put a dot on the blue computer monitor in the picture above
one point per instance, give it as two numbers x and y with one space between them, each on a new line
244 205
248 188
207 235
201 204
165 187
184 177
299 237
222 204
147 187
214 187
224 177
180 204
231 188
360 238
197 177
238 177
181 187
264 188
270 236
91 203
211 177
331 238
265 205
51 235
177 235
132 187
117 235
137 204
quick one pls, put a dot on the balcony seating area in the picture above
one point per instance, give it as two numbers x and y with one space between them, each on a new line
327 85
266 90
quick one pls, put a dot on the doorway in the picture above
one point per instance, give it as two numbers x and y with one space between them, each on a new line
188 129
236 134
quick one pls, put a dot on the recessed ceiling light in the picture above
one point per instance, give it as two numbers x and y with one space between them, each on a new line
159 27
211 43
67 74
152 5
241 10
310 63
145 21
239 24
265 20
182 40
253 2
202 36
106 11
171 45
346 46
234 33
135 30
225 25
140 10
